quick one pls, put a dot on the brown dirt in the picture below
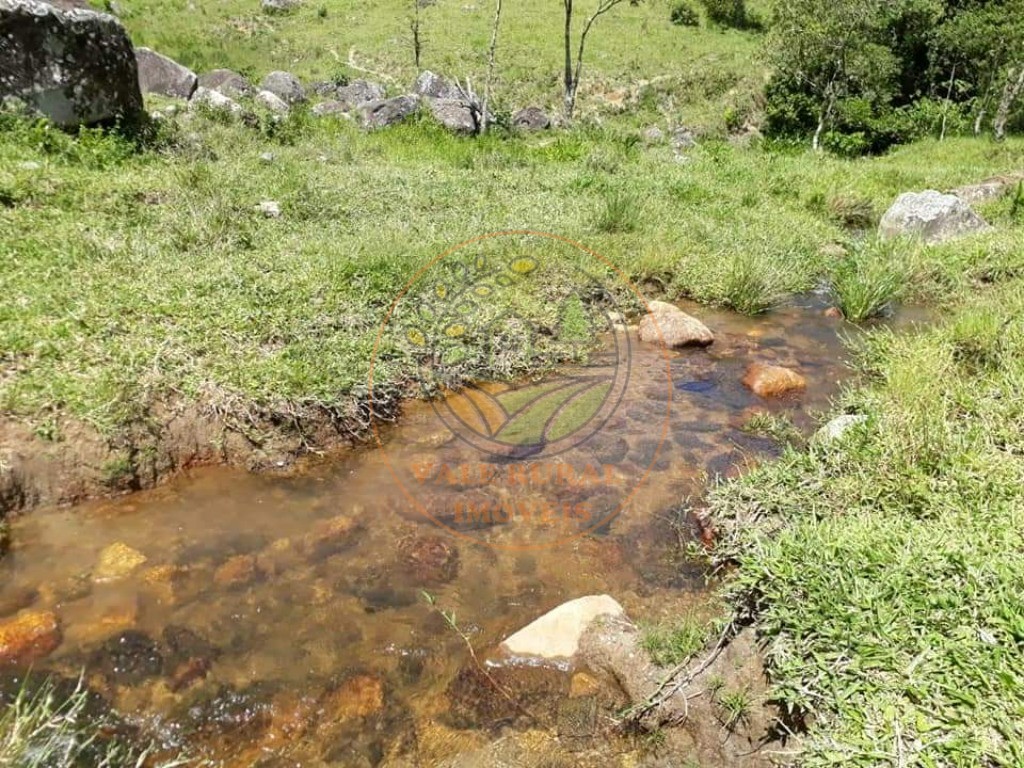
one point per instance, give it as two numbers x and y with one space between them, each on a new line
83 464
694 720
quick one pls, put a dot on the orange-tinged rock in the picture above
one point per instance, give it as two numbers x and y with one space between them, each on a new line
29 636
117 562
237 571
359 696
773 380
834 312
330 536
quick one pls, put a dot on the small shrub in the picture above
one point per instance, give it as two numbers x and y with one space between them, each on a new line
322 12
684 15
620 212
727 13
868 280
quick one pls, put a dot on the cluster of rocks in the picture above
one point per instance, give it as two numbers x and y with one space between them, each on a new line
669 326
78 67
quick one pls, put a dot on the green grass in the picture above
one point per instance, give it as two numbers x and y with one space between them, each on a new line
673 643
640 67
885 572
137 276
44 728
872 278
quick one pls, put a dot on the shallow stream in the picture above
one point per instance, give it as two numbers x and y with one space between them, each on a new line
283 620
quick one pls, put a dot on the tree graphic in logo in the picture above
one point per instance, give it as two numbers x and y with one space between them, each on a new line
457 326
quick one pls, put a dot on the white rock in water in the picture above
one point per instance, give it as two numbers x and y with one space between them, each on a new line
554 638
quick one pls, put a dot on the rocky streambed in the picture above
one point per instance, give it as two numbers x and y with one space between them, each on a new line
354 613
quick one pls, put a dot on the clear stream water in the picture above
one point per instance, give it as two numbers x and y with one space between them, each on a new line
282 621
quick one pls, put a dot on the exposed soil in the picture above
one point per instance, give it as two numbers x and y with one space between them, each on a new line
84 464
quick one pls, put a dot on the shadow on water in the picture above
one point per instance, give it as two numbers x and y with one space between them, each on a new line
279 617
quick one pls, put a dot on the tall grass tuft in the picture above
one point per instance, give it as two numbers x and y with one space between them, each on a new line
43 729
753 285
620 212
873 276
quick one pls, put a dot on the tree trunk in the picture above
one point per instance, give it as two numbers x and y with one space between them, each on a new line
570 85
978 121
485 117
1010 93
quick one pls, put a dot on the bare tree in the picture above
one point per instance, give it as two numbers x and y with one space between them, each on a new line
485 117
574 71
1012 90
414 27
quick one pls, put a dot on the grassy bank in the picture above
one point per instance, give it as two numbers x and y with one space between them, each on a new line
138 275
885 571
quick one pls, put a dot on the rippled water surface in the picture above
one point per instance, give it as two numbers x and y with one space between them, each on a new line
283 620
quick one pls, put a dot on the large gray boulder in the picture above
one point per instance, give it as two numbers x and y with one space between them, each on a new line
989 189
531 119
162 75
285 86
279 6
75 67
226 82
931 216
360 92
433 86
215 101
379 114
455 115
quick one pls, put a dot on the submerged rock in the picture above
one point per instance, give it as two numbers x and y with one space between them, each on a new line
429 558
358 696
773 380
931 216
162 75
237 571
28 637
668 325
328 537
75 67
554 638
117 562
129 658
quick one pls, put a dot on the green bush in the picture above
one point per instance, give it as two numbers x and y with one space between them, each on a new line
727 13
685 15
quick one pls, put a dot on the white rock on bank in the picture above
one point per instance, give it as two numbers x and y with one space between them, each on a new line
932 216
554 638
837 428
